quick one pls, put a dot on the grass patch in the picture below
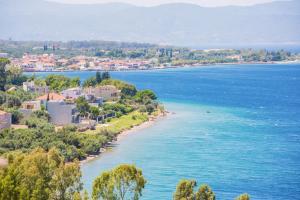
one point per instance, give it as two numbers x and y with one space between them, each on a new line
125 122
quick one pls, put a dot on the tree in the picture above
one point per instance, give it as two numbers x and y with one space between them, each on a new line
60 82
185 190
82 106
105 75
39 175
142 95
90 82
244 196
205 193
128 90
14 75
123 182
3 73
98 77
95 112
103 187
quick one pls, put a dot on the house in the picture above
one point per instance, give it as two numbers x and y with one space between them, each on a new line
96 101
107 92
31 87
50 96
72 93
28 107
60 112
5 120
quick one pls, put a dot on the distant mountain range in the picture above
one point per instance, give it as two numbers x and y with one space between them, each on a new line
176 24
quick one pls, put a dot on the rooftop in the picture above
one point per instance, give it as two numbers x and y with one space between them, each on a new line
2 112
51 96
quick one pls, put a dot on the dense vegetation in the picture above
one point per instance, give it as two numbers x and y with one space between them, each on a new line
60 82
70 143
131 109
43 175
71 48
40 175
43 161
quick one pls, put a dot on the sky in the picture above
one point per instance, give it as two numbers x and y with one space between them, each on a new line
206 3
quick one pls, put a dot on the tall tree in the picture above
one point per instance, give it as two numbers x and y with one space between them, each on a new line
98 77
105 75
103 187
123 182
82 106
244 196
205 193
185 190
3 74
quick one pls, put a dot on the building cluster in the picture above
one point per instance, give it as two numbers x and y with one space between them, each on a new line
61 107
51 62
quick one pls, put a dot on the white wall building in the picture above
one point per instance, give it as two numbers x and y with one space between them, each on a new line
107 92
72 93
60 112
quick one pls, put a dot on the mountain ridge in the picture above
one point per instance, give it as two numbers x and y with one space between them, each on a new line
174 24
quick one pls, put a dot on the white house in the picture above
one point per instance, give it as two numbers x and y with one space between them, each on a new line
28 107
60 112
72 93
31 87
107 92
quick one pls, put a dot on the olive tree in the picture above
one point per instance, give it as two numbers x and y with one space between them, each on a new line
123 182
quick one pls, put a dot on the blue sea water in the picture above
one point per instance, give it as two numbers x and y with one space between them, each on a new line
236 128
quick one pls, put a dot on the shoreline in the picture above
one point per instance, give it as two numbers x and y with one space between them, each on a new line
152 119
172 67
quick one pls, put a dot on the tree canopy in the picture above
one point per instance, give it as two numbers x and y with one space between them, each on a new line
60 82
123 182
244 196
185 191
39 175
3 73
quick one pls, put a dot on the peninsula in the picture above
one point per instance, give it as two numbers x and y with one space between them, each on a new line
116 56
79 119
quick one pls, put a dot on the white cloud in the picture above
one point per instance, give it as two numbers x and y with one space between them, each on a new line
209 3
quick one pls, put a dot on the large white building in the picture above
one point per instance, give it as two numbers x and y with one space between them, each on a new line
60 112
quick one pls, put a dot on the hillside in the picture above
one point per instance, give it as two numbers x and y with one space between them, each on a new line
176 24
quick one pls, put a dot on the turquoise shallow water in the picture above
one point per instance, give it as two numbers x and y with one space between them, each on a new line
236 128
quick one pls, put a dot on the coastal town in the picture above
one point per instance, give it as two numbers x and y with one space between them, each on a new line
100 56
51 62
92 112
61 106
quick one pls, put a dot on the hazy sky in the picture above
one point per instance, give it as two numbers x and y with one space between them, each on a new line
158 2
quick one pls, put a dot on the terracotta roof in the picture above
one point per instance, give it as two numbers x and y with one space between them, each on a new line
2 112
51 96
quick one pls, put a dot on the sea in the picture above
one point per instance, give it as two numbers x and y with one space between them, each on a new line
233 127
